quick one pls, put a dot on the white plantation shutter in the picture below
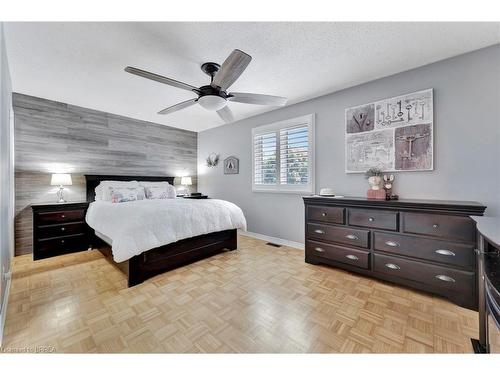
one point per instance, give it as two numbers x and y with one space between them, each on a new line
265 159
294 155
283 156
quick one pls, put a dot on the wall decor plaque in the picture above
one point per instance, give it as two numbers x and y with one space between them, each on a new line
231 165
394 134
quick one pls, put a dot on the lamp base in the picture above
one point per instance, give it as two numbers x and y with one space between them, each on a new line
60 195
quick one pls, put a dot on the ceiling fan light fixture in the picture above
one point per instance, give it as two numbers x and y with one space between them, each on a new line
212 102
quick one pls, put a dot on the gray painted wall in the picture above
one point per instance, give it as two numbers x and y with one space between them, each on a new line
55 137
466 144
6 177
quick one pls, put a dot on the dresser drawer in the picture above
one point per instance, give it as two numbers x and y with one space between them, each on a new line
57 230
60 216
445 226
345 235
373 218
452 253
337 253
444 278
327 214
62 243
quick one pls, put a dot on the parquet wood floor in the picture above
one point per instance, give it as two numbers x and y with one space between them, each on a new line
256 299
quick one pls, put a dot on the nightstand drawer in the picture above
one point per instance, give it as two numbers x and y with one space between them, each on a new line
58 230
327 214
446 226
60 216
62 244
452 253
373 218
344 235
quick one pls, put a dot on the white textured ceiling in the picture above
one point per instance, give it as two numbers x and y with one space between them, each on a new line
82 63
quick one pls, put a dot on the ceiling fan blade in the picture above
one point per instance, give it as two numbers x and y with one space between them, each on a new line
245 97
231 69
161 79
178 106
226 114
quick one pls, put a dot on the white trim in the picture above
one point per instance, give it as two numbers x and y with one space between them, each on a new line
276 240
310 120
3 310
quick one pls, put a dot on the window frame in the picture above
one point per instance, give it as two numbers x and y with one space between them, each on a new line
278 187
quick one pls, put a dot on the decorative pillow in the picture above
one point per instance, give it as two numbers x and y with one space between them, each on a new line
102 191
126 194
164 192
147 184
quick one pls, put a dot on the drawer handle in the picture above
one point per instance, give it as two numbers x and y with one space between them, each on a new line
435 226
324 214
319 249
62 241
445 252
371 219
63 216
352 237
319 231
392 243
63 229
352 257
392 266
445 278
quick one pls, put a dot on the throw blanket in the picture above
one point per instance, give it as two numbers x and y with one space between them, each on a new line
138 226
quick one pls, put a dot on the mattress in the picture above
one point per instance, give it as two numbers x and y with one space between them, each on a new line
134 227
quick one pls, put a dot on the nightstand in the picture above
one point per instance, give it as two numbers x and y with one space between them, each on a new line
59 228
195 196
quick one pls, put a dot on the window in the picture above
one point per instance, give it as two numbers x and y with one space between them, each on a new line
283 156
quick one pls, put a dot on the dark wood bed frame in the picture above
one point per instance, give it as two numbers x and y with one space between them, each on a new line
158 260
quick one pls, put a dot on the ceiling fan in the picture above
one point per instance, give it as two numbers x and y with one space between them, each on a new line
214 96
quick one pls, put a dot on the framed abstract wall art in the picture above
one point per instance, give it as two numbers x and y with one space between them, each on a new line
393 134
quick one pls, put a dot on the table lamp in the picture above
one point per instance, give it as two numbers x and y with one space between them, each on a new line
186 181
61 180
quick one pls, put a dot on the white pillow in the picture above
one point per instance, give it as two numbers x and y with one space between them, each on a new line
103 193
160 192
126 194
147 184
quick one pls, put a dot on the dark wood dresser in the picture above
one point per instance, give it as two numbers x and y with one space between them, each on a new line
423 244
59 228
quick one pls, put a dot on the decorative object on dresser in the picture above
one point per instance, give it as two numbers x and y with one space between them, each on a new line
327 192
392 134
212 160
61 180
388 185
423 244
59 228
374 176
231 165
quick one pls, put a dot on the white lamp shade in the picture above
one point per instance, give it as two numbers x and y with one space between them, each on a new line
212 102
61 179
186 181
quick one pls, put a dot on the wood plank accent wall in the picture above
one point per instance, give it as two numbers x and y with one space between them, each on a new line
55 137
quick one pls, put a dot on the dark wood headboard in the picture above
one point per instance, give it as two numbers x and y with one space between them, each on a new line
93 180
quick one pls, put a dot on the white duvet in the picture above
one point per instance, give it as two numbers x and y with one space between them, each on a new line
135 227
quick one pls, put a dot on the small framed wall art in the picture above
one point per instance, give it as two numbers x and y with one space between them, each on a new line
231 165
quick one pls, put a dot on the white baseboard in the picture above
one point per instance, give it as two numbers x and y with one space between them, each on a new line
271 239
3 313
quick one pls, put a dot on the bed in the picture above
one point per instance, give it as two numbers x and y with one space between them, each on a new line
142 264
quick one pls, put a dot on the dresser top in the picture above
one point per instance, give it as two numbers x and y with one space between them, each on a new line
464 207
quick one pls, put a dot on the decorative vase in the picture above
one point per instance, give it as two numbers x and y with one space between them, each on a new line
375 191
